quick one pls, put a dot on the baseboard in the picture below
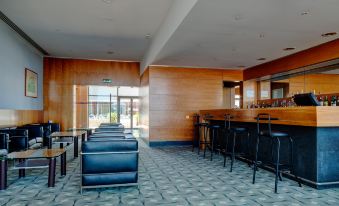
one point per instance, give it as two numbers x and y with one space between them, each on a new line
169 143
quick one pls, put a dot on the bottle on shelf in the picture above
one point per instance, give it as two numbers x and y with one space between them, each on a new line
337 101
326 101
321 102
334 101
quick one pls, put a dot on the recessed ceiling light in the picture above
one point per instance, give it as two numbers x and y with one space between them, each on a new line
261 59
148 36
329 34
289 48
107 1
110 52
305 12
238 17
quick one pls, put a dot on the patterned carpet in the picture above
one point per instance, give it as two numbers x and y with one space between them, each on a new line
168 176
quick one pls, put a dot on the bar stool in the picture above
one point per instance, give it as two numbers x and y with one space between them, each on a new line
214 134
196 131
236 132
274 137
202 139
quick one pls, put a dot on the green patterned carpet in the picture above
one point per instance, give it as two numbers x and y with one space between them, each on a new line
167 176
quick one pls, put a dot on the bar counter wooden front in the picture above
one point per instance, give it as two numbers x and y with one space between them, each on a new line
315 131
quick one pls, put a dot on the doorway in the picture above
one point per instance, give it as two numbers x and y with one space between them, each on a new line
113 104
128 114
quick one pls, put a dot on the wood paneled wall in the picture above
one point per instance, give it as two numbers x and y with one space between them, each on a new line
19 117
175 94
81 109
320 53
250 92
144 105
62 75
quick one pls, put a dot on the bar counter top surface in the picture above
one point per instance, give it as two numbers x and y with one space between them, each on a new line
321 116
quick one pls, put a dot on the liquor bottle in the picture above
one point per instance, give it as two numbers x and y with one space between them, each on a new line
334 101
337 101
326 101
321 102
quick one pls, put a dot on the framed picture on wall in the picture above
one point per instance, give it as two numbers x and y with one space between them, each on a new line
31 83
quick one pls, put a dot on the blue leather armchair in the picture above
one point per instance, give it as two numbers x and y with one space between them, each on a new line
35 135
18 139
109 163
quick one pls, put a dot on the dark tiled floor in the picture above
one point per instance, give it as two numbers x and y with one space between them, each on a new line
168 176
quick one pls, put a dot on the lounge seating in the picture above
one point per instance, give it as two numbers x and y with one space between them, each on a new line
109 163
35 135
18 139
3 144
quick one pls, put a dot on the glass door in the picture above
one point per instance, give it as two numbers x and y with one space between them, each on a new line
129 112
125 111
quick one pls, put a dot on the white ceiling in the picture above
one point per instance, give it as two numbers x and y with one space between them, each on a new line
89 28
226 33
214 33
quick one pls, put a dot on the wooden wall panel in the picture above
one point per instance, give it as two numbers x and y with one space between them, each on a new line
144 105
62 75
81 111
320 53
20 117
175 94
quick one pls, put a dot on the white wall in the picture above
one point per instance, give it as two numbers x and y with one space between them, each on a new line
16 55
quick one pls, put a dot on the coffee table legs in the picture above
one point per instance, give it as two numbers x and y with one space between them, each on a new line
51 172
3 174
76 145
63 164
22 172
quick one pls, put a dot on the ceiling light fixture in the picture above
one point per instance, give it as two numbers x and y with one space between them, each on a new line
329 34
148 36
289 48
305 12
261 59
107 1
110 52
261 35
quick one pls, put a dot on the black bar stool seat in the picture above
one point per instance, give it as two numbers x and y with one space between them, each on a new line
214 126
274 133
239 129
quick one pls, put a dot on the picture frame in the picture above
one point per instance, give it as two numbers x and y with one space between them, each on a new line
31 83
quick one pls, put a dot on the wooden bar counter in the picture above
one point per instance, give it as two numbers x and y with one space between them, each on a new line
315 131
301 116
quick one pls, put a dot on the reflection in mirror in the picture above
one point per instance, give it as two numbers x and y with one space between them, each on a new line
321 79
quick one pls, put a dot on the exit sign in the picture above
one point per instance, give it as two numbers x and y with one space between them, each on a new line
107 80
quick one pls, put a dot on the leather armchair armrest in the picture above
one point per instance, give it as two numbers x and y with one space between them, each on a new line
3 141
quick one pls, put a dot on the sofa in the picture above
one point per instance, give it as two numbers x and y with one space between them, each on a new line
48 129
109 163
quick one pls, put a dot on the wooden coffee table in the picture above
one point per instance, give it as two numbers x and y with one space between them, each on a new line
30 159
